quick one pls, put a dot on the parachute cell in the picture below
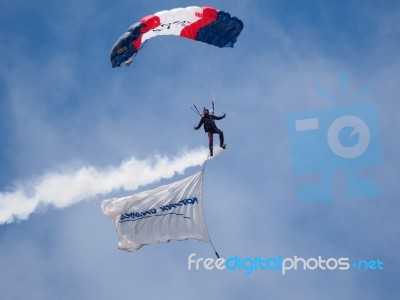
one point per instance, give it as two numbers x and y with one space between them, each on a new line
203 24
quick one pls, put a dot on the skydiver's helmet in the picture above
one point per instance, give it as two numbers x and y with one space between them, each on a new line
206 111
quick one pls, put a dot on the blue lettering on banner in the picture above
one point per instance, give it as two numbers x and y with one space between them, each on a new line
180 203
134 216
137 215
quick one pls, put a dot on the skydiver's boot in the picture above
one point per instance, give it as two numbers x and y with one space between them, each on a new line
211 152
221 139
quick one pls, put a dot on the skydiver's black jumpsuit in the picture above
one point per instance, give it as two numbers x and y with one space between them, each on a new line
210 127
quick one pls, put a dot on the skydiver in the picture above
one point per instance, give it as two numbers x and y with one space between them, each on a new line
211 128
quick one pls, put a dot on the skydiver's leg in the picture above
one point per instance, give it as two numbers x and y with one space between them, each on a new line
210 142
221 138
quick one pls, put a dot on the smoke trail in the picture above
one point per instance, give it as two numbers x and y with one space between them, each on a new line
62 189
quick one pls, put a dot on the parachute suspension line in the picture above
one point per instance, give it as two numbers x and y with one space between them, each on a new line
222 60
209 64
213 68
217 72
202 192
200 62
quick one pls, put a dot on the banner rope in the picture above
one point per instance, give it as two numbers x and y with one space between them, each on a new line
202 194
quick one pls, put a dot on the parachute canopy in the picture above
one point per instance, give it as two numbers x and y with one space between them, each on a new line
203 24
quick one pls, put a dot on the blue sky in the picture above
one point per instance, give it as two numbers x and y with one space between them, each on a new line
64 109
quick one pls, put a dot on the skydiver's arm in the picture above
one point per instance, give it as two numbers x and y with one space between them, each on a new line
221 117
199 125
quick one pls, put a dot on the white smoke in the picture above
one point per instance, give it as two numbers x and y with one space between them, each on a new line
65 188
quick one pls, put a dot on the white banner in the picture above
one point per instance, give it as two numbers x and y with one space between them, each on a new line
169 212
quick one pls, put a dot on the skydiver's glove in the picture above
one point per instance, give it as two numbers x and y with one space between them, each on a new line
195 127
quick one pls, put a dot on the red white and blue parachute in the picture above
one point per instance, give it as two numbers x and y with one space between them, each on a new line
203 24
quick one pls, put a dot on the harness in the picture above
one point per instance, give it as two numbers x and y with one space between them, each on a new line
209 123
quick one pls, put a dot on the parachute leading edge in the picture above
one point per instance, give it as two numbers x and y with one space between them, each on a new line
203 24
